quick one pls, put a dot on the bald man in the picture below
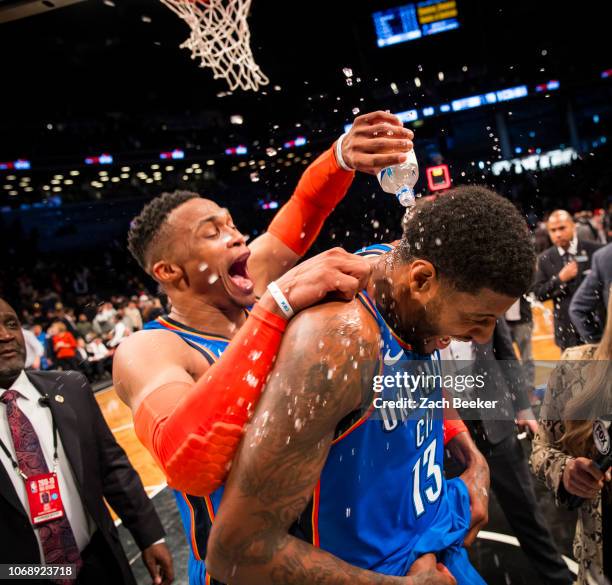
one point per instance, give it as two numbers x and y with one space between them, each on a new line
561 269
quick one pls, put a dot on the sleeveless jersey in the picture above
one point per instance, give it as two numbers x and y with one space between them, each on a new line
382 499
197 513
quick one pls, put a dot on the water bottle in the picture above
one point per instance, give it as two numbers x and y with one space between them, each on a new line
401 179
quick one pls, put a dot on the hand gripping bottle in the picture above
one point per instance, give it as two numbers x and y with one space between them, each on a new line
401 179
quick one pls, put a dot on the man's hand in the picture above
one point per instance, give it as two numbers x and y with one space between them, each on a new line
158 561
581 477
569 271
333 273
375 141
477 479
526 418
425 571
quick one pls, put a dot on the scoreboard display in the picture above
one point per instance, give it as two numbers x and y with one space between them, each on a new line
413 21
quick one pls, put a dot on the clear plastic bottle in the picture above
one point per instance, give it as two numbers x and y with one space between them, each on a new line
401 179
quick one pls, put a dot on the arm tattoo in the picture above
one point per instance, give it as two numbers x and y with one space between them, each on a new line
281 457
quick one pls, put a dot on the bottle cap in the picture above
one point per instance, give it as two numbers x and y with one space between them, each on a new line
405 195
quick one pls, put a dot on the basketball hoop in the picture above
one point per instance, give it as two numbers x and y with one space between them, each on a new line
221 39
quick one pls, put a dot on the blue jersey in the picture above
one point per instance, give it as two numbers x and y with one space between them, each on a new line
197 513
382 499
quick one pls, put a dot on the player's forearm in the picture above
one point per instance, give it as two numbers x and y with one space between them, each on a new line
193 431
322 186
463 449
286 560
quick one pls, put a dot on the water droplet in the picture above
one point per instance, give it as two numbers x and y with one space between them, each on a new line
251 380
203 266
213 278
255 355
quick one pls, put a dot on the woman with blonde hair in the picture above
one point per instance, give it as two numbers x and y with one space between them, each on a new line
579 392
64 346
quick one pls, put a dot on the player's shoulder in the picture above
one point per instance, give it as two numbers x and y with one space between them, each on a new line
149 344
347 322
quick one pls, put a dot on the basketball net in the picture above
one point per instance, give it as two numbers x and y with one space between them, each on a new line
221 39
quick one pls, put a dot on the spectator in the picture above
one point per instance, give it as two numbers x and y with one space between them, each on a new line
84 327
103 323
497 441
542 239
120 332
42 339
584 226
598 225
34 350
560 271
125 318
133 313
588 306
153 309
89 465
520 323
66 316
100 358
82 358
578 392
64 347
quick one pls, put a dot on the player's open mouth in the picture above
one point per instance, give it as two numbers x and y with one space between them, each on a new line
239 275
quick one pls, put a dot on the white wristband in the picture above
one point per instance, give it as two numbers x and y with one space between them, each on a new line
339 158
281 301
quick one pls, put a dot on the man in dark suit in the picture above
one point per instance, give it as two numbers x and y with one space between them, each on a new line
54 442
494 432
588 309
560 271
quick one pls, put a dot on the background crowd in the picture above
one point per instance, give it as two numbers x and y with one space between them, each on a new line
77 308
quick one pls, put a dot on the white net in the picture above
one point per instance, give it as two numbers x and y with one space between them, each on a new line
221 39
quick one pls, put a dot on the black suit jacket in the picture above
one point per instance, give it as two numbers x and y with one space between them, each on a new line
548 286
505 383
101 470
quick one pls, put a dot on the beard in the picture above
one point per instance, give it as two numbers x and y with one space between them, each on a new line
414 323
425 331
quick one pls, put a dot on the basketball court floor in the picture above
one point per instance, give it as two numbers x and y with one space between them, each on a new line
496 553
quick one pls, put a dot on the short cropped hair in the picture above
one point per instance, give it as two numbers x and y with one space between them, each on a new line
475 238
145 227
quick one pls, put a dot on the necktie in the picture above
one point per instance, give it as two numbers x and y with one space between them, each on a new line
57 539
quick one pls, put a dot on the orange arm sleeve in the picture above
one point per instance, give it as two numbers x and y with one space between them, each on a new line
195 437
320 189
452 428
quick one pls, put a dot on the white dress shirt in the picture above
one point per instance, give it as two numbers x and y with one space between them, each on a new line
458 351
40 416
98 351
573 248
514 312
34 348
